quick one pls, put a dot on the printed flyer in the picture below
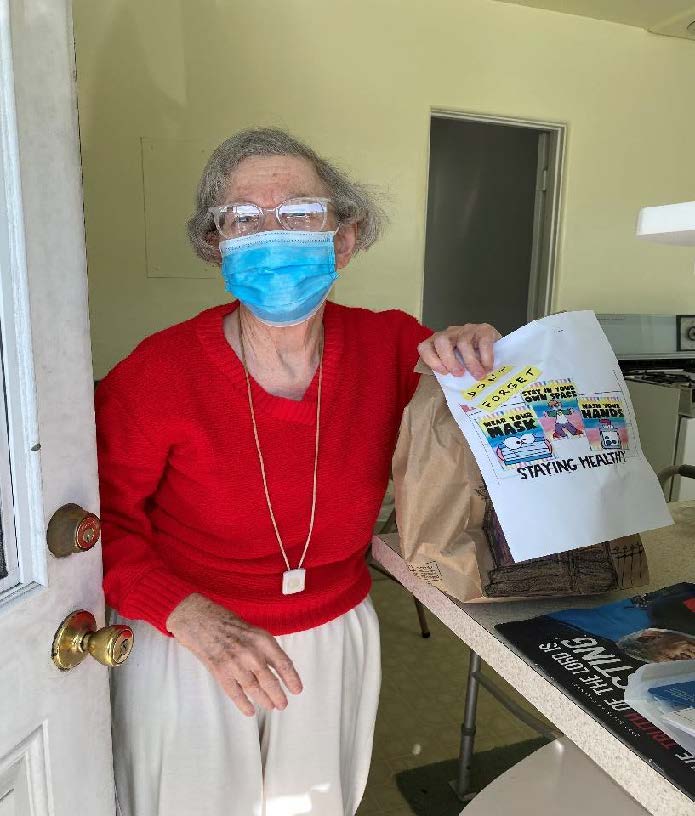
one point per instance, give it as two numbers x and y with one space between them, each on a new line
554 433
595 656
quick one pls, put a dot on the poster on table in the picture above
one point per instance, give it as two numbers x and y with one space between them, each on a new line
554 434
631 665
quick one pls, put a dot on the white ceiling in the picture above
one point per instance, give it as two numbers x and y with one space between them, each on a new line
661 16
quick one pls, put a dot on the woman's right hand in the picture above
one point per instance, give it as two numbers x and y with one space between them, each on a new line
245 661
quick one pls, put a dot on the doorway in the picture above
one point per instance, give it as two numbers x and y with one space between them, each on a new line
492 220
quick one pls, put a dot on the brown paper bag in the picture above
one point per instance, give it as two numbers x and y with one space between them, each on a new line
448 530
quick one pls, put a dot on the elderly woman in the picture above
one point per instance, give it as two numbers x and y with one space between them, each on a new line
243 456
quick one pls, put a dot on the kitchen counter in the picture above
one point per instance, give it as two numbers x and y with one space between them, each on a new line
671 557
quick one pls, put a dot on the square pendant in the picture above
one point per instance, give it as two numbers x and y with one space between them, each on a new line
293 581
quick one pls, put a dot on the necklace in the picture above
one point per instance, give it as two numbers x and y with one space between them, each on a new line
293 580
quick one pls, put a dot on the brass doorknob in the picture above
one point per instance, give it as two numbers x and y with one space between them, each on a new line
78 636
72 530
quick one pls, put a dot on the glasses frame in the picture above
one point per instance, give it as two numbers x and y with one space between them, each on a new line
220 209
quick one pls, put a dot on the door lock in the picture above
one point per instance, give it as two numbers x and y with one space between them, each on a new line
72 530
78 636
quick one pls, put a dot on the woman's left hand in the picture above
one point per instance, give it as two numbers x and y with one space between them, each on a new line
473 342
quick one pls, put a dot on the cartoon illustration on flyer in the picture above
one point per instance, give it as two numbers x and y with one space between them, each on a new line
556 404
547 427
604 423
515 436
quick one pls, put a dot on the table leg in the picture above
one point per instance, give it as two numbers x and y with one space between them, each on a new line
462 784
424 628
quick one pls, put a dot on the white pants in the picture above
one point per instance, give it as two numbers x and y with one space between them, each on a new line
181 747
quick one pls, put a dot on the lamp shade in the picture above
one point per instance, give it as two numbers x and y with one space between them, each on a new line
668 224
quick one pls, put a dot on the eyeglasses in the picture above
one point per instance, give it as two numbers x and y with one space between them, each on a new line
237 219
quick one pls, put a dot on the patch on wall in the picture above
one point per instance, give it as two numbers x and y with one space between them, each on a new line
171 169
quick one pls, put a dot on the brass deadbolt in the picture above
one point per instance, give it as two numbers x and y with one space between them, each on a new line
72 530
78 636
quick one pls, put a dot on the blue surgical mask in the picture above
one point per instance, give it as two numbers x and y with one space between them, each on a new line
281 276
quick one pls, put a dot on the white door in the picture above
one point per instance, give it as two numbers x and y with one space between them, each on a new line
55 748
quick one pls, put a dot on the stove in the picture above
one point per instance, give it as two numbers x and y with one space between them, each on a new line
656 354
679 378
673 377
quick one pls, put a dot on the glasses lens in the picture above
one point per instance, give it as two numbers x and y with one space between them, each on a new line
236 220
307 214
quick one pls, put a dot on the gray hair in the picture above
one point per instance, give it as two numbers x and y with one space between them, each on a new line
353 203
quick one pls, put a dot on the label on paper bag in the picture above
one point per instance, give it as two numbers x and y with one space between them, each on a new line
554 434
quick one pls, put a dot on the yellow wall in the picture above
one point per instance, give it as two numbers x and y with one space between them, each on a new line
357 79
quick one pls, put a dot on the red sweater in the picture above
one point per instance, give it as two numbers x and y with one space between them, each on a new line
182 502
